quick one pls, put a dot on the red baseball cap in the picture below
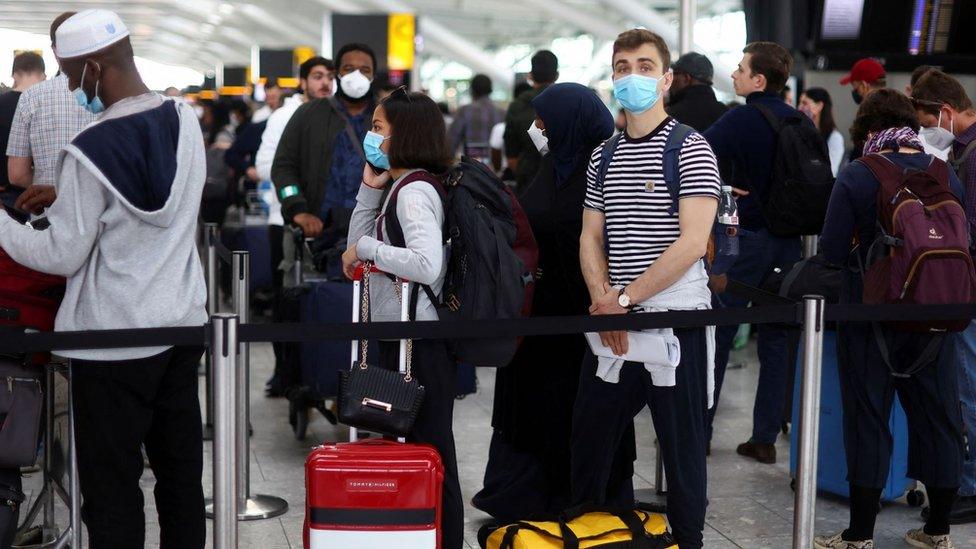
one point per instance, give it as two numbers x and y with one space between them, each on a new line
865 70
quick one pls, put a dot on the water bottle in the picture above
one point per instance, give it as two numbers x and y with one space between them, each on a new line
728 224
266 191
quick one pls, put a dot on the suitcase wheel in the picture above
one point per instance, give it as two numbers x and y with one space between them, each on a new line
301 424
915 498
298 419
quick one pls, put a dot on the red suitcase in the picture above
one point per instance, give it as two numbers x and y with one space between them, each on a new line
373 494
28 299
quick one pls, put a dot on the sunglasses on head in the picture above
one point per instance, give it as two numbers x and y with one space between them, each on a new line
401 93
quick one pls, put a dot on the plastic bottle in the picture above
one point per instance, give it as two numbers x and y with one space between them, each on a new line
728 220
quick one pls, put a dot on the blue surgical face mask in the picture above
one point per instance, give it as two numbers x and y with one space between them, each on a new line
95 106
637 93
374 154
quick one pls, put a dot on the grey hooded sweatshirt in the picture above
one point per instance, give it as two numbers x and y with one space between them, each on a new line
123 226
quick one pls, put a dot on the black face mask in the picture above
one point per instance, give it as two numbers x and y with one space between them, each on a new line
857 97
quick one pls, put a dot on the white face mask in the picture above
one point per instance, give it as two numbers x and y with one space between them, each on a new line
539 139
937 137
355 85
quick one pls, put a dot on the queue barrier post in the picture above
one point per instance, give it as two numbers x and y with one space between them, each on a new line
223 353
210 238
257 506
805 504
810 243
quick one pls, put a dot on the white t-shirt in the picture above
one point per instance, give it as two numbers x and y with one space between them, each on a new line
835 146
497 141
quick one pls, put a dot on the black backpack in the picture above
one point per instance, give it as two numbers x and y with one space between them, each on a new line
796 202
486 276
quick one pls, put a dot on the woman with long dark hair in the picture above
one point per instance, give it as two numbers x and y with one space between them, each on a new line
528 466
816 103
409 140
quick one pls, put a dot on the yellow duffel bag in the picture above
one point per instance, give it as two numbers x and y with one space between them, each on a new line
585 529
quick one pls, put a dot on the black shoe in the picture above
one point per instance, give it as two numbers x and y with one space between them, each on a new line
963 511
759 451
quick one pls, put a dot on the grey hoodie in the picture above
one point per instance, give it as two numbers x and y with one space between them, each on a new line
123 226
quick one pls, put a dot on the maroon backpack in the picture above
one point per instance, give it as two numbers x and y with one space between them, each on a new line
921 255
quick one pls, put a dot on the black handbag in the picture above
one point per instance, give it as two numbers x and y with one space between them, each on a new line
21 405
376 399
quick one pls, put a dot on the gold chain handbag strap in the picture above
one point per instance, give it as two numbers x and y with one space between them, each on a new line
398 290
364 313
364 316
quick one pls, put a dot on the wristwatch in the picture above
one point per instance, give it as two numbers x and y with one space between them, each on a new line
624 300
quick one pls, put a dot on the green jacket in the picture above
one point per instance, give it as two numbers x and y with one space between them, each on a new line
518 144
303 159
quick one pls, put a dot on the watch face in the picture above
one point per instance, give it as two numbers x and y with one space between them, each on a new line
624 300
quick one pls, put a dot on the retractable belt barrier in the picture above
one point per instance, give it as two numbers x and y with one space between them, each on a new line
226 338
15 342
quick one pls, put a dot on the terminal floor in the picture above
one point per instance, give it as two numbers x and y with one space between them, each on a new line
751 505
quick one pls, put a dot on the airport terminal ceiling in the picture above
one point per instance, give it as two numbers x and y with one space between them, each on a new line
201 33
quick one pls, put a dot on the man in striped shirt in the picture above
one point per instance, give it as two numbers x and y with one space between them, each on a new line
654 263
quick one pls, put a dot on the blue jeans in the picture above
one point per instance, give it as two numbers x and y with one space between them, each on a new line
966 372
759 254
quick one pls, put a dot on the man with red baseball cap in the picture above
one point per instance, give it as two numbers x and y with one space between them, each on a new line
866 76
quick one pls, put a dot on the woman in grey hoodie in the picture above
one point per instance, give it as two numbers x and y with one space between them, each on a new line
402 235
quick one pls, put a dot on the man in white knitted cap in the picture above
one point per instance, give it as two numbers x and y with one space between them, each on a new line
122 232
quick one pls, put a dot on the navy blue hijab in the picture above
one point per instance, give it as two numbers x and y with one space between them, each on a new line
576 122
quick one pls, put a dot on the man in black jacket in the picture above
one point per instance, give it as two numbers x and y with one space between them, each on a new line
692 100
319 161
523 156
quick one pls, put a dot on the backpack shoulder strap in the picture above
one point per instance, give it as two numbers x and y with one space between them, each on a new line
389 221
939 170
606 156
770 117
959 163
884 170
351 133
671 160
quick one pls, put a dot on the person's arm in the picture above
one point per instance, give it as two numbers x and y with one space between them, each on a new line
75 219
20 171
457 130
697 205
593 258
513 141
287 166
236 157
20 168
840 223
265 157
695 217
724 137
497 143
421 216
835 147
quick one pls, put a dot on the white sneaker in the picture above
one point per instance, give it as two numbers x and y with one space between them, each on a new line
918 538
838 542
